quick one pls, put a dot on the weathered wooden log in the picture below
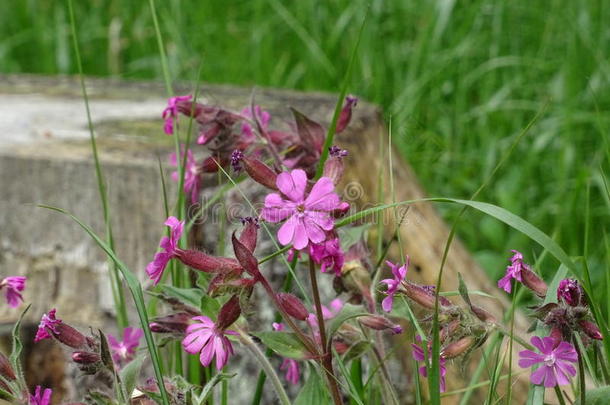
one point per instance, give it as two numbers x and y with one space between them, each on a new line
45 158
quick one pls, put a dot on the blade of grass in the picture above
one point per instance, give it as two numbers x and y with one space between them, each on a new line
117 290
330 133
138 298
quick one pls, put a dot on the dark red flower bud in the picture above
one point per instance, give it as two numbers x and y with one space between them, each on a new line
172 323
482 314
449 329
85 357
260 172
293 306
210 164
533 282
229 313
203 262
591 329
556 335
311 133
249 234
6 370
423 295
70 336
458 347
377 322
245 257
346 113
570 292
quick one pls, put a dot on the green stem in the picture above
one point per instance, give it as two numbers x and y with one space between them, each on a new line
559 395
264 362
581 372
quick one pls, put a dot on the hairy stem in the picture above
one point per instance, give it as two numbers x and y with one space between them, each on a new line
581 372
327 361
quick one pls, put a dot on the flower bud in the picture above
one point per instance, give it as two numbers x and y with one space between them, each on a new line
449 329
260 172
69 336
229 313
85 357
6 370
570 292
556 335
210 164
377 322
200 261
173 323
346 113
591 329
482 314
249 234
533 282
333 169
458 347
423 295
293 306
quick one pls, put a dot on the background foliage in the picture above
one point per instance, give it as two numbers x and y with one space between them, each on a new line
460 80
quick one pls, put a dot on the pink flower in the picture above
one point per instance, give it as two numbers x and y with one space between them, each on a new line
393 283
291 366
171 112
419 355
14 285
41 398
204 337
192 179
570 292
336 306
48 322
123 351
513 271
263 118
169 245
555 358
307 217
328 254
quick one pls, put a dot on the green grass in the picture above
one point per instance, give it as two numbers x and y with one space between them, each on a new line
459 81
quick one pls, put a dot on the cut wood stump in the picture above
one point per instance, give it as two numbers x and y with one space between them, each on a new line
45 158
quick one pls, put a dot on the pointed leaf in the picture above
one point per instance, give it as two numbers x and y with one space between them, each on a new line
130 373
285 344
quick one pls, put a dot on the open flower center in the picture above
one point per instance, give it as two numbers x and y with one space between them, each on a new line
549 360
301 208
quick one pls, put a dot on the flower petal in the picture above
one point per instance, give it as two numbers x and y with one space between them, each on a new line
292 184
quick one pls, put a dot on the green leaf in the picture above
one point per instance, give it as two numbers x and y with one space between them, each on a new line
356 350
351 235
314 391
17 347
188 296
209 306
207 389
463 290
130 373
597 396
285 344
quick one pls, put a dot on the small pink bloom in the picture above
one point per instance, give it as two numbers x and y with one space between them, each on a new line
290 365
13 285
41 397
399 274
263 118
570 292
335 305
171 112
420 355
555 358
169 245
205 338
308 218
513 271
123 351
328 254
48 323
192 178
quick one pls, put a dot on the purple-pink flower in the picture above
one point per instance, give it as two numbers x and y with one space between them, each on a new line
192 178
513 271
263 118
555 360
291 366
13 286
123 351
205 338
328 254
307 217
48 323
41 397
399 273
569 291
420 355
171 112
169 245
329 312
